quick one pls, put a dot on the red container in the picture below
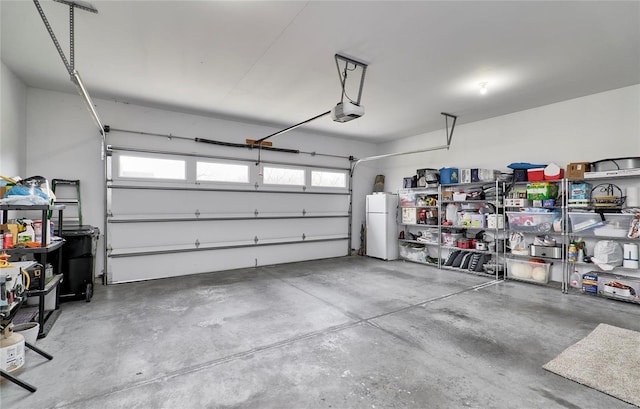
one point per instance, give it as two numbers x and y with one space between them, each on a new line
535 175
464 243
555 177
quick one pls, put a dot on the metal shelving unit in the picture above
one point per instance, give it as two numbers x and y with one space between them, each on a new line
46 319
561 235
422 201
498 208
591 235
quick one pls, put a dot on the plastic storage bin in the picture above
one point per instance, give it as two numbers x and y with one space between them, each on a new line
532 221
535 175
584 222
431 236
412 252
449 175
528 271
450 239
615 225
407 198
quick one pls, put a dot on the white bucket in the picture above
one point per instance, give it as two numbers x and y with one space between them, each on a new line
11 351
29 330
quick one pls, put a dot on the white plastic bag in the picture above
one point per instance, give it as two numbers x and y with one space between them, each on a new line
607 254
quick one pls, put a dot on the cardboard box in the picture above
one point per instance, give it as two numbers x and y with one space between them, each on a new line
495 221
542 191
517 203
469 175
580 191
478 220
410 215
576 170
590 283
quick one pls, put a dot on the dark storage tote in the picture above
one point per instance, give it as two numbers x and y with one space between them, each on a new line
78 261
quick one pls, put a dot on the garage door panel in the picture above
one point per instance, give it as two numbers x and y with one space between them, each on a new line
124 269
160 228
176 264
140 235
209 203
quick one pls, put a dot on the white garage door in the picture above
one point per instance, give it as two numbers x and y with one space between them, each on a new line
174 213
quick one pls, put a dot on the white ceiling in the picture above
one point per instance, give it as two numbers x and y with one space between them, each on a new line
273 62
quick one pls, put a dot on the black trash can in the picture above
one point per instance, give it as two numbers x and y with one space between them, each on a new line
78 261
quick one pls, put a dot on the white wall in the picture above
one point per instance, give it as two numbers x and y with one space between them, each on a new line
599 126
64 143
13 104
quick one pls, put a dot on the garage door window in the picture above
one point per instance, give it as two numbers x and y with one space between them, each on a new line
151 168
222 172
328 179
282 176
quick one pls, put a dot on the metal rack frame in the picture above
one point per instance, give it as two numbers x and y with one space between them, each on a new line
45 288
570 266
498 203
562 189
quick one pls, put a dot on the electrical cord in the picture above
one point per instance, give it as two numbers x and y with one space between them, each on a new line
27 278
5 264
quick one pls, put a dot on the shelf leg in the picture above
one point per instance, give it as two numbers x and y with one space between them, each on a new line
38 350
17 381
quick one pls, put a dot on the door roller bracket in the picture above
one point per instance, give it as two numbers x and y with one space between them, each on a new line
446 126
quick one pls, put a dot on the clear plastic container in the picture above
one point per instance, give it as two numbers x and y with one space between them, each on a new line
528 271
532 221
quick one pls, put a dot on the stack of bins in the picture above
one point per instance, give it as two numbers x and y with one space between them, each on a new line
78 261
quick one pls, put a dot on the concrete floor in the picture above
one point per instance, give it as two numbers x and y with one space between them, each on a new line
351 332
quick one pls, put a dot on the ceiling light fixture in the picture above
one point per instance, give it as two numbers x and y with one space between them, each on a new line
483 88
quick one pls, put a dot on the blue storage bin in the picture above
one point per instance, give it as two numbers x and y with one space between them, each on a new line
449 175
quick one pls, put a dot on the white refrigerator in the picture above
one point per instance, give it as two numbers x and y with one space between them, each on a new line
382 227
